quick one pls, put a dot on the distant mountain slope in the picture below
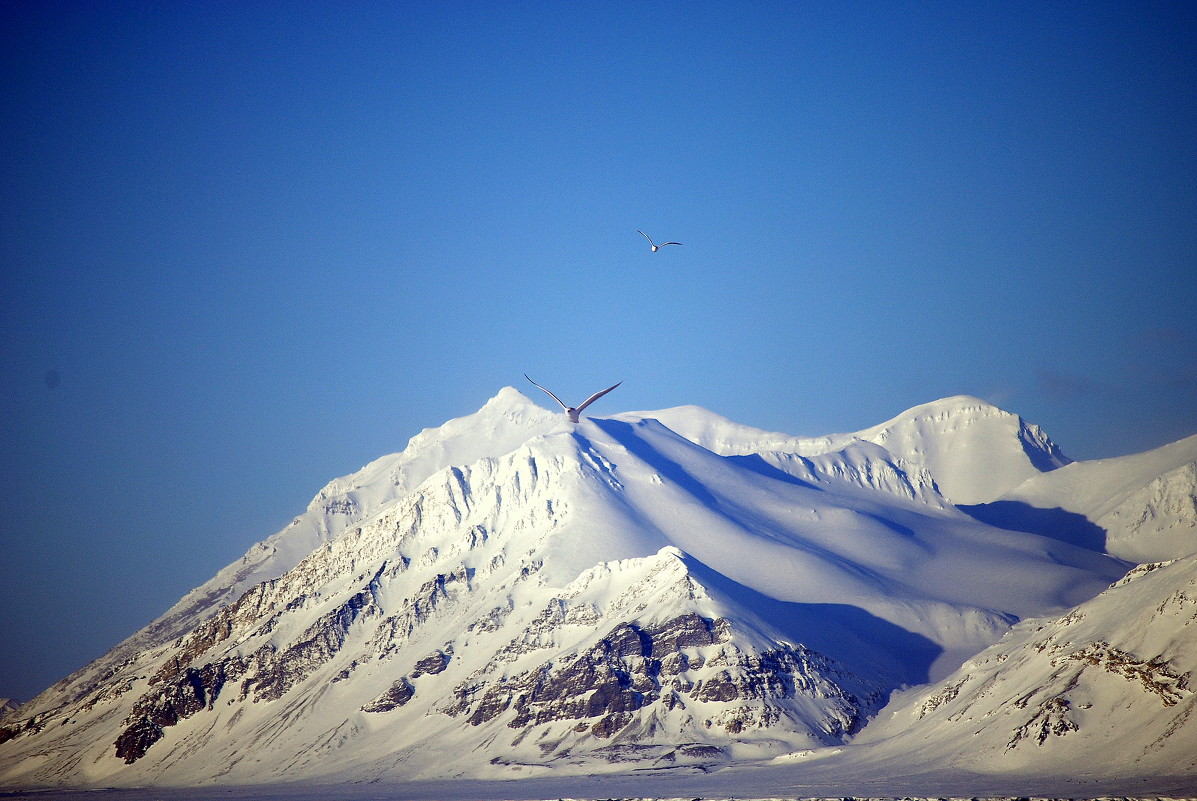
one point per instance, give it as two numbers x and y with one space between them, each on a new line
497 428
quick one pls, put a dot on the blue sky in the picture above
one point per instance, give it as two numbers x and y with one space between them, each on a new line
249 247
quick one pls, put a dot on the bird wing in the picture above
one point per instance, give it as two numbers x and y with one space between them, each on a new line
646 236
595 397
551 395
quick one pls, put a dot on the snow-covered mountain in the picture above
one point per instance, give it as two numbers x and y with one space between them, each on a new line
1106 689
1139 507
513 594
975 451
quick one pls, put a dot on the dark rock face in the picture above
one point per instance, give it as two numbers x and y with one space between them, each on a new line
1051 719
611 678
431 664
241 615
194 690
770 675
399 694
402 691
688 631
134 741
419 608
14 730
634 667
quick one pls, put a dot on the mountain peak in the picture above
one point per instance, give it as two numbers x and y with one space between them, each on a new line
963 409
8 705
508 399
975 450
959 402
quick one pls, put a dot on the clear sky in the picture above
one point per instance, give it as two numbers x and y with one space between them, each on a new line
249 247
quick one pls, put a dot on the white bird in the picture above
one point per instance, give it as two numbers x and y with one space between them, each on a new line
570 410
654 247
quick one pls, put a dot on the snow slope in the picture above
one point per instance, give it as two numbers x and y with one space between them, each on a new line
1141 507
514 595
1105 689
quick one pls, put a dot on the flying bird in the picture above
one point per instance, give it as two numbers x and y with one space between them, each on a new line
654 247
570 410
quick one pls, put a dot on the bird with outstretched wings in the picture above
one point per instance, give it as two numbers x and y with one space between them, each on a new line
570 410
650 243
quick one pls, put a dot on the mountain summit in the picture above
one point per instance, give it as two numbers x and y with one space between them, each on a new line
513 594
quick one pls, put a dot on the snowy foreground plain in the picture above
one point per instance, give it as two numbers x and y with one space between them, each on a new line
670 605
745 784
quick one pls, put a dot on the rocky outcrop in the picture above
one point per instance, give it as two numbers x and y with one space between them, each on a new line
1156 676
193 690
402 690
318 644
633 667
431 665
1050 719
399 694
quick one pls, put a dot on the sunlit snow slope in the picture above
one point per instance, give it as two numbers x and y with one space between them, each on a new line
1105 690
1140 507
513 594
